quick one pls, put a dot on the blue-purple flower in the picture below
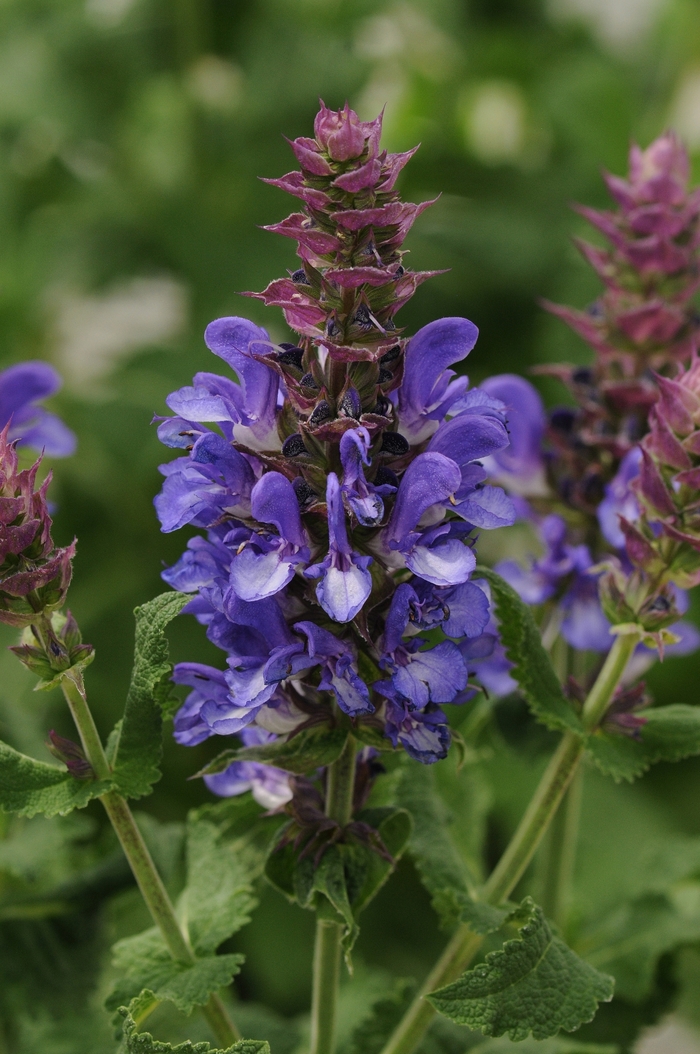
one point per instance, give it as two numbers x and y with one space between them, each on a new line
22 387
344 581
270 786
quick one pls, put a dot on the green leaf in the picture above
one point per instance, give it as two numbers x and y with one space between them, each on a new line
147 964
534 985
144 1043
394 827
329 880
218 899
28 787
631 939
531 666
483 918
558 1045
305 752
671 733
440 866
370 1036
140 746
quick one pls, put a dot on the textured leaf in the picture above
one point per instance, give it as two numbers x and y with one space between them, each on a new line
140 747
146 963
535 985
558 1045
531 666
219 898
371 1034
630 941
442 870
28 787
329 879
394 827
483 918
144 1043
670 734
305 752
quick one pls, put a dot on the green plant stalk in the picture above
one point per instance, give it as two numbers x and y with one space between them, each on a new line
543 806
144 870
558 852
608 679
326 967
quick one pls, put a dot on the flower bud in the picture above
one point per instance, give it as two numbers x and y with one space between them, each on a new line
34 574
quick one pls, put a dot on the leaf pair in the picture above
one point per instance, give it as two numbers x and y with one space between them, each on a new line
347 874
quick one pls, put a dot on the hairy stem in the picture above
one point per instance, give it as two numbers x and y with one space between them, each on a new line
143 868
326 968
539 814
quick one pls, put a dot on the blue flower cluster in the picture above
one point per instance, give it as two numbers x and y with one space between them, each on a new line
303 570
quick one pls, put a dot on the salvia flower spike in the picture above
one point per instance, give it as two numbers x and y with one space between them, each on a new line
336 467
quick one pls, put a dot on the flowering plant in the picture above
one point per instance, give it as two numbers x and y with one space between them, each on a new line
338 484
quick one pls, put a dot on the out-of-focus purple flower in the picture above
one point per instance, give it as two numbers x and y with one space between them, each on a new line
519 466
620 499
427 391
345 583
466 439
21 388
485 657
563 571
270 785
265 563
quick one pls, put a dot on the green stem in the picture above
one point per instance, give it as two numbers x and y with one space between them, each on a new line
558 853
521 848
144 870
326 968
608 679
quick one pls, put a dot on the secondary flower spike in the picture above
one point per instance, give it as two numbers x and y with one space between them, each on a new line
34 573
339 478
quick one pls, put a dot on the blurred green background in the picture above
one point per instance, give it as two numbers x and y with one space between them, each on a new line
132 134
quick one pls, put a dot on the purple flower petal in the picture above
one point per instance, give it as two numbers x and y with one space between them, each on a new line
425 381
526 424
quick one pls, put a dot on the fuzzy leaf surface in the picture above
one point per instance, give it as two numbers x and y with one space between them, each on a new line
670 734
535 985
146 963
218 899
305 752
532 668
140 747
143 1043
631 939
441 868
28 787
558 1045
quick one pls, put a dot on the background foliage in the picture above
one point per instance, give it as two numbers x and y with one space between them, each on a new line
132 133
